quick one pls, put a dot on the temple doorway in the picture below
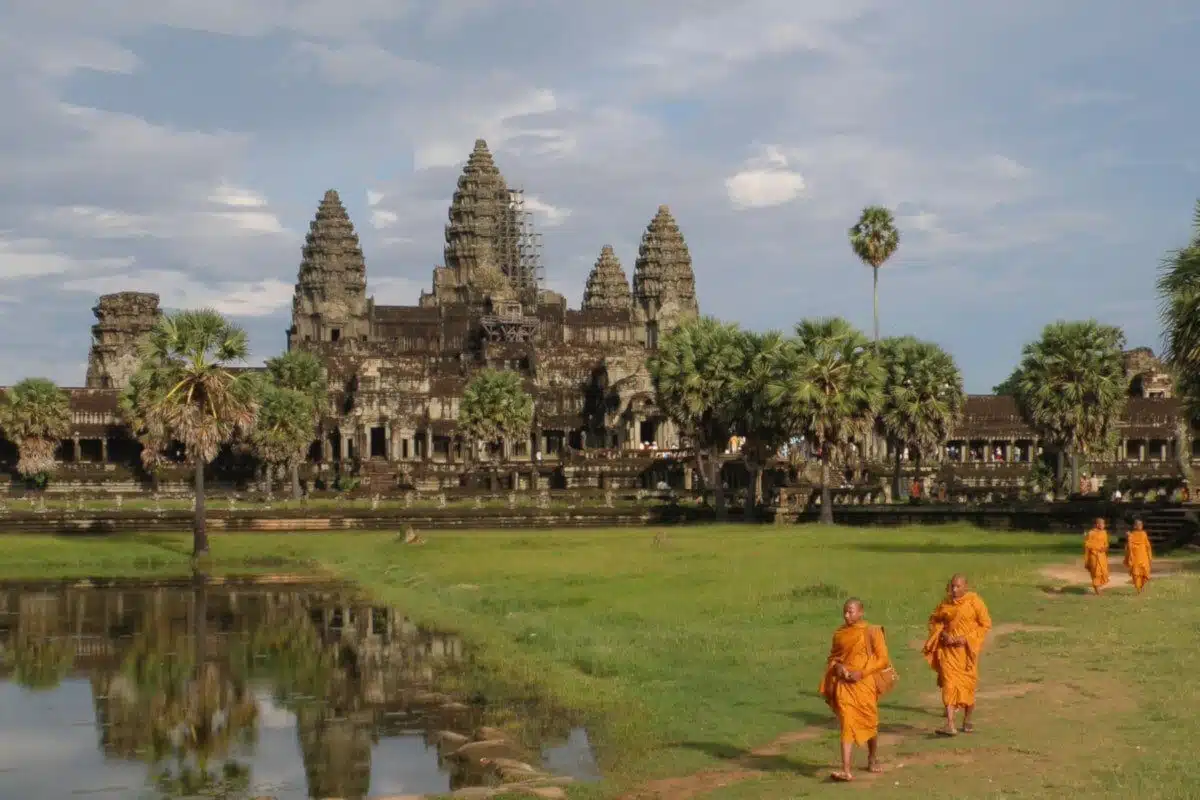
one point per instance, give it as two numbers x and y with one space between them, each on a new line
378 443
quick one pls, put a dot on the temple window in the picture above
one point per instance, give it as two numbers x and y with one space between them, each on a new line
335 334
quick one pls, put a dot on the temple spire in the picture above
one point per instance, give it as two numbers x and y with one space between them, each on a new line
662 275
330 301
607 287
482 224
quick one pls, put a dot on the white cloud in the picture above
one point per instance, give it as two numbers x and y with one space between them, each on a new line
764 181
35 258
176 290
374 198
381 218
552 216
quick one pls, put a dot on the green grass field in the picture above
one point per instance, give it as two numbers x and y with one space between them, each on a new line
697 657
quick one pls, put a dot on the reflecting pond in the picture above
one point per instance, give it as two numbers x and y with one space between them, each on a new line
239 689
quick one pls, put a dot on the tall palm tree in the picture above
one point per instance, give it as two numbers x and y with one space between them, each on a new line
301 372
923 398
874 239
495 406
831 385
35 415
1179 309
1072 387
764 424
284 430
696 372
134 405
188 391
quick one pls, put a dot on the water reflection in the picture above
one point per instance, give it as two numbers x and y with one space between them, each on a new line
234 690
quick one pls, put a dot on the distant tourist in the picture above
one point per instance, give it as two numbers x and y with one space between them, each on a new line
1095 554
857 673
957 629
914 491
1138 555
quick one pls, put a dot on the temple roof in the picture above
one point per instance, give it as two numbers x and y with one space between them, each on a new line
482 225
664 264
331 245
607 287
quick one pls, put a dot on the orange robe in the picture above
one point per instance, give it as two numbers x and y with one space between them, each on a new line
856 704
958 667
1095 556
1138 555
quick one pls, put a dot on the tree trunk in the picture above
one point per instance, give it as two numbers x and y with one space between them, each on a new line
1075 487
268 478
826 494
199 530
897 490
718 486
756 476
875 293
297 493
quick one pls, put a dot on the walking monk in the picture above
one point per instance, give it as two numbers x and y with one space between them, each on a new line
1095 554
850 687
1138 555
957 630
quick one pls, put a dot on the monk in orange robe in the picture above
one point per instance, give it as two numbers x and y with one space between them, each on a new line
1095 554
1138 555
957 630
859 652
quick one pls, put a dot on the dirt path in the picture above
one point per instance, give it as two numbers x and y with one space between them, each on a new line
1074 574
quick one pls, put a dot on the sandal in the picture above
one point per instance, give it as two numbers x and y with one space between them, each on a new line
841 777
946 732
875 768
968 728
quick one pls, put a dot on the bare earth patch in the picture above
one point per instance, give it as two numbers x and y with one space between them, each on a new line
1074 574
1002 692
688 786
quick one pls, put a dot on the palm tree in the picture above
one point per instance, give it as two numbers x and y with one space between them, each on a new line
764 424
1179 298
284 430
923 398
1072 387
495 406
186 390
134 404
696 372
831 385
35 415
300 371
874 239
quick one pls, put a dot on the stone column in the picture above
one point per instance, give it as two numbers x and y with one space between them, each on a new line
326 448
103 449
1142 450
427 454
962 451
389 442
344 444
75 451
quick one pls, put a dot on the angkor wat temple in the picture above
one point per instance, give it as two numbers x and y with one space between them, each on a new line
397 373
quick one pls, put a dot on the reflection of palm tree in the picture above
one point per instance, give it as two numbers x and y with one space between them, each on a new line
200 719
41 658
42 663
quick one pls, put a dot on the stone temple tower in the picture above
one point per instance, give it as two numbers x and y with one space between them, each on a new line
330 303
607 287
122 320
664 286
483 235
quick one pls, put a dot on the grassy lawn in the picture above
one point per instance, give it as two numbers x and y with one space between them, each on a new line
697 657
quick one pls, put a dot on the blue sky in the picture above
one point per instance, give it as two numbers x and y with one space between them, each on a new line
1039 155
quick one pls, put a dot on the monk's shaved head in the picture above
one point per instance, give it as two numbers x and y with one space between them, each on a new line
958 576
958 585
854 602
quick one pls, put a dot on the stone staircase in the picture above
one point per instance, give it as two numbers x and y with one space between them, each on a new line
377 475
1170 526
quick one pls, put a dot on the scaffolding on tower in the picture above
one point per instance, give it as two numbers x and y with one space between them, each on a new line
522 259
